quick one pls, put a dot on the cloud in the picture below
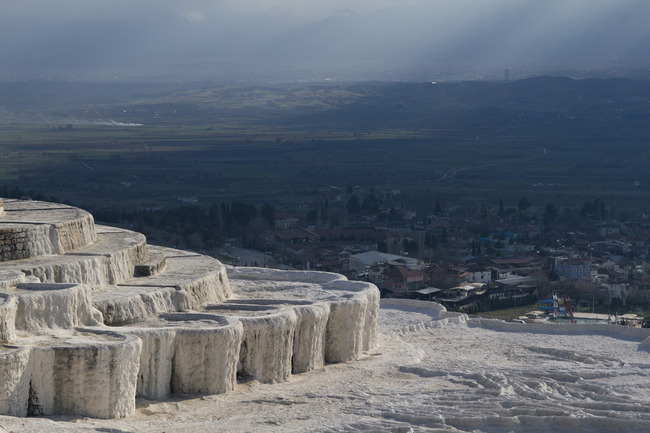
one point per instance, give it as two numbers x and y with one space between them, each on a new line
191 10
316 9
196 35
193 15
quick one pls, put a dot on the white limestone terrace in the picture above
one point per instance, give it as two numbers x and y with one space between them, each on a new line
88 372
34 228
187 353
109 260
91 318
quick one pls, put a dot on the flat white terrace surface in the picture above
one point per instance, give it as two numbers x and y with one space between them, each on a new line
109 241
22 212
280 290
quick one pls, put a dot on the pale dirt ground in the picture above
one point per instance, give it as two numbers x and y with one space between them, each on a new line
447 377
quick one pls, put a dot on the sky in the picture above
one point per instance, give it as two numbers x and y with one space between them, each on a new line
314 40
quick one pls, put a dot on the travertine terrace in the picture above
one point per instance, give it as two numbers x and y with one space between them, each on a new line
91 318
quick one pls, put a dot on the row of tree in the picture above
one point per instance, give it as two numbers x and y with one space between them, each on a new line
196 228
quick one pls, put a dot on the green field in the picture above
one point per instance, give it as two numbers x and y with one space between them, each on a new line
549 139
507 313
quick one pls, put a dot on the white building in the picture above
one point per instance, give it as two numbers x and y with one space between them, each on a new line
359 262
479 274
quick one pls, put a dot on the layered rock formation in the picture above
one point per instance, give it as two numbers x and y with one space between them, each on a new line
92 317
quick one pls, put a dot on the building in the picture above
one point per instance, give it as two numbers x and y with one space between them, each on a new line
330 260
402 282
295 236
284 220
574 268
444 276
463 296
362 261
478 274
513 288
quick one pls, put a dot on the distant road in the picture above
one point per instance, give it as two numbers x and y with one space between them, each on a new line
541 151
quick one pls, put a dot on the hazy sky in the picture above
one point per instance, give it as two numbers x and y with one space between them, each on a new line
312 38
310 9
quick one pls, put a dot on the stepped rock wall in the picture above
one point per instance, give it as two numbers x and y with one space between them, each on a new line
32 229
94 268
210 288
309 337
82 376
91 378
156 358
15 374
23 242
205 360
77 233
267 346
122 263
8 310
136 306
178 324
89 270
52 306
368 296
188 359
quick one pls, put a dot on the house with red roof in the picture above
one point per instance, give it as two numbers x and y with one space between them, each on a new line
402 282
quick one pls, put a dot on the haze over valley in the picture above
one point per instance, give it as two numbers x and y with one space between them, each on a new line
256 41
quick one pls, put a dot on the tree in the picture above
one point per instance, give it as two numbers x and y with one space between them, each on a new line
370 204
430 240
410 246
215 216
593 209
443 235
268 213
227 217
353 206
485 220
241 214
312 216
394 216
524 204
550 214
438 208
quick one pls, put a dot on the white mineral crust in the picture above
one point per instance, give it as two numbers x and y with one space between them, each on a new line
62 280
267 346
76 233
205 360
51 306
188 359
89 378
309 338
120 305
8 309
15 370
156 357
431 371
43 240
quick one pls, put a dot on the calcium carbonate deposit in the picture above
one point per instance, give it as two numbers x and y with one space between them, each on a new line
92 318
210 348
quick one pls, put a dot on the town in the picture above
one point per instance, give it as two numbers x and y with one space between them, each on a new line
499 257
484 195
